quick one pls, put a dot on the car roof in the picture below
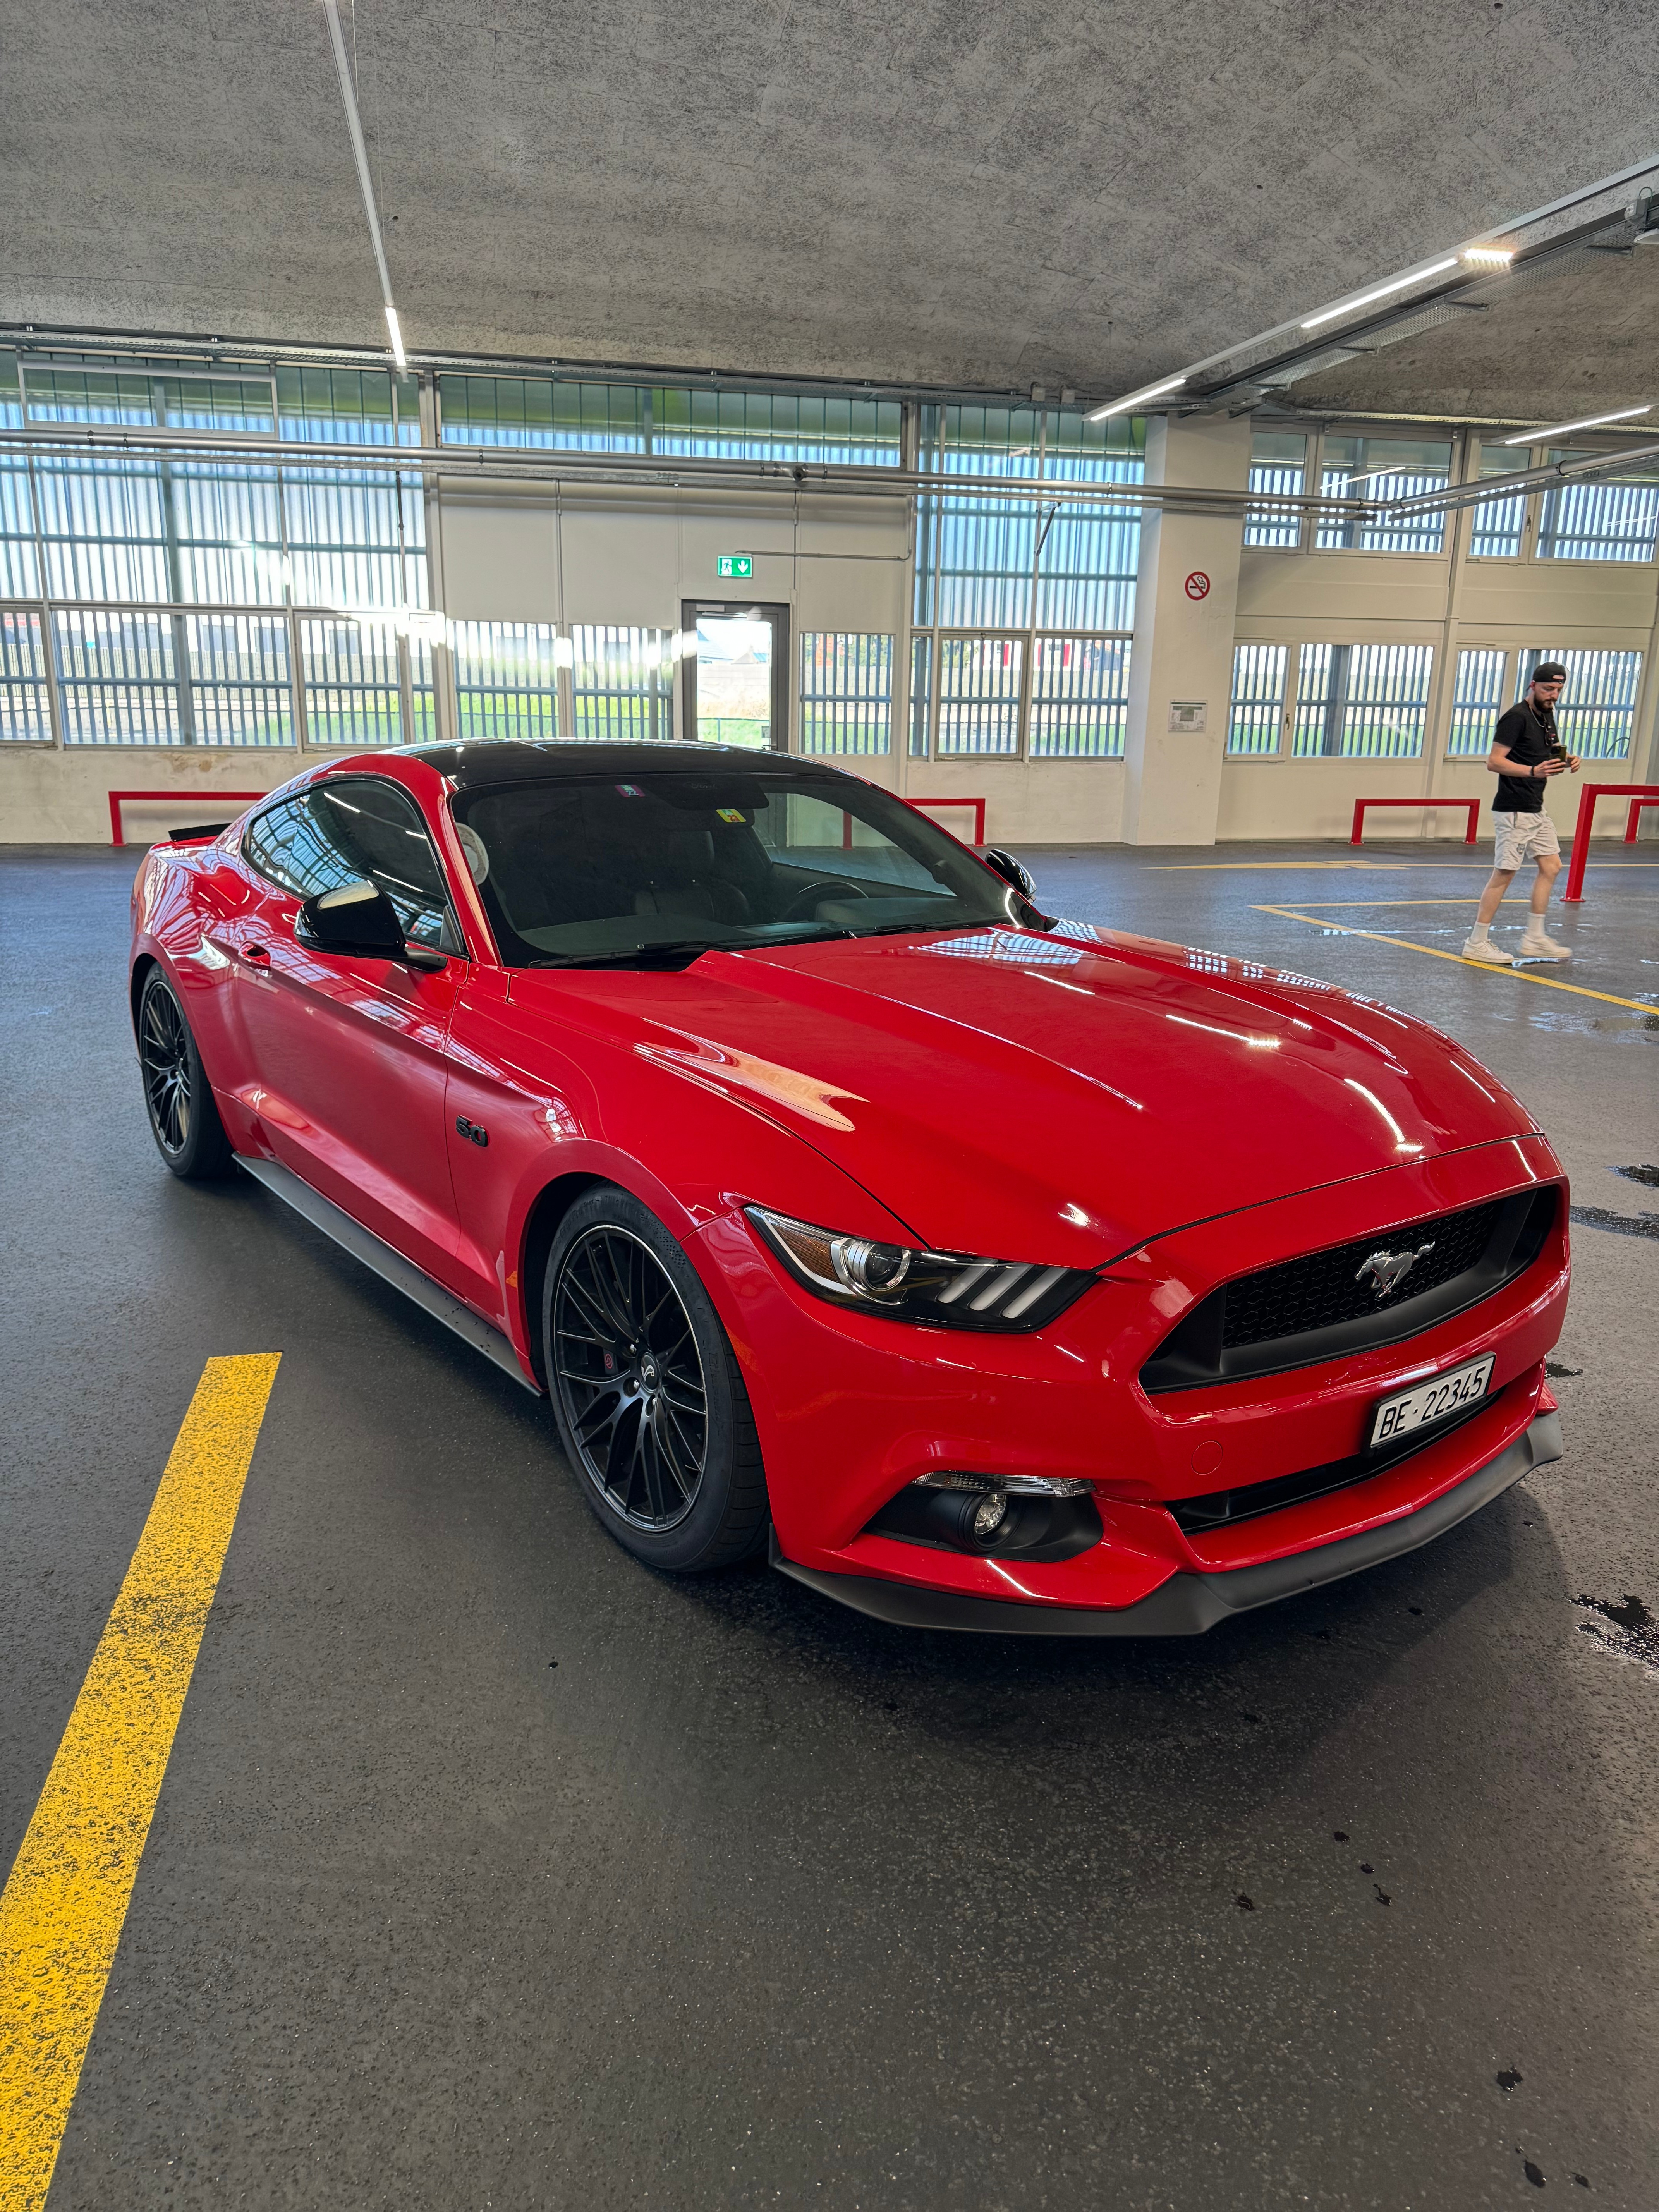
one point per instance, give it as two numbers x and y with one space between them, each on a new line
477 760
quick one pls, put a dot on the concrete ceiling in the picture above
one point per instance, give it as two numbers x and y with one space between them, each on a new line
1082 194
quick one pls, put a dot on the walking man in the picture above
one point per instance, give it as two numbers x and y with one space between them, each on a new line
1525 753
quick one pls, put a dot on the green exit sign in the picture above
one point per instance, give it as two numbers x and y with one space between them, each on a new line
735 564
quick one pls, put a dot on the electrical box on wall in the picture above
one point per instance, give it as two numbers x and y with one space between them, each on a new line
1189 714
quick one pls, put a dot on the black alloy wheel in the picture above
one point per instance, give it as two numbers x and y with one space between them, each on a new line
182 1117
649 1403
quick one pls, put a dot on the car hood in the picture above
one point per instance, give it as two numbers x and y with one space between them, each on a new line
1058 1097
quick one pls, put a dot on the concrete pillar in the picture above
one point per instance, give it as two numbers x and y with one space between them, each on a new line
1183 647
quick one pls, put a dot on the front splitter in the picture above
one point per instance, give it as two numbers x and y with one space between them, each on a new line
1188 1604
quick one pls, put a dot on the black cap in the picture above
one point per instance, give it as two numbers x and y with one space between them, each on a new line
1549 672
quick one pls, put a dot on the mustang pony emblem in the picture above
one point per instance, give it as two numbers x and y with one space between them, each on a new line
1386 1271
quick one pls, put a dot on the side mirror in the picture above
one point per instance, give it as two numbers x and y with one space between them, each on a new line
359 922
1011 869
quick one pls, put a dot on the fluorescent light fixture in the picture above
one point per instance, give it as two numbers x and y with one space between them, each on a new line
1489 257
394 330
1132 399
1585 423
1382 292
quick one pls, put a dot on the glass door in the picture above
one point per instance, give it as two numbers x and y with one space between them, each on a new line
737 683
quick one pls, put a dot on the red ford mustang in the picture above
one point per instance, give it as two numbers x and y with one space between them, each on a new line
1000 1272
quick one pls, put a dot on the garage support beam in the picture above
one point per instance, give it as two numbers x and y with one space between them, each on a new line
1185 604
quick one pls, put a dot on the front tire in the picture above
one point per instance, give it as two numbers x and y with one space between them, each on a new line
645 1390
178 1097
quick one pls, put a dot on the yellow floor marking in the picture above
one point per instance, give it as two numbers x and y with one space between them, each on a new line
1240 867
1525 974
1472 899
66 1897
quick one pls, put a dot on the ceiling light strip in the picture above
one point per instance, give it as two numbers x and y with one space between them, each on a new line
366 183
1133 400
1379 292
1584 422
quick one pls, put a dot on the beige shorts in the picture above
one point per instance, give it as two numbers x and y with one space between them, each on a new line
1521 838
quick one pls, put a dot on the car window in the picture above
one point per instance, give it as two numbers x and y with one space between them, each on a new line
349 828
726 856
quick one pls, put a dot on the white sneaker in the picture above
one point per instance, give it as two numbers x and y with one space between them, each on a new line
1534 945
1479 946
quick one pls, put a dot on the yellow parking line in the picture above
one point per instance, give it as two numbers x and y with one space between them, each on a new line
1524 975
66 1897
1472 899
1243 867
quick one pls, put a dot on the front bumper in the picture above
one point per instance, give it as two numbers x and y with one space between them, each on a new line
1187 1604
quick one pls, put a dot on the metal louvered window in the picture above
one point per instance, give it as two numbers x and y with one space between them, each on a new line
1256 710
239 690
1362 701
354 684
1278 464
25 708
980 680
623 682
1597 521
507 678
116 677
988 563
1597 706
1497 526
1383 468
1080 704
1477 701
845 691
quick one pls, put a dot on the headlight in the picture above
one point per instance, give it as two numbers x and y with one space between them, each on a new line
951 1289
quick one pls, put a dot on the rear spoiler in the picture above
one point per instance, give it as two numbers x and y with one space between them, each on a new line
197 834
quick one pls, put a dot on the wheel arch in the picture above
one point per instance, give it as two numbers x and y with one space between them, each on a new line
136 983
550 1205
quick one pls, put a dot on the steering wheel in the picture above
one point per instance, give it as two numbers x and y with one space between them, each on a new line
840 889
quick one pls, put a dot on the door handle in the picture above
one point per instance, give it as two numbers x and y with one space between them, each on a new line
257 955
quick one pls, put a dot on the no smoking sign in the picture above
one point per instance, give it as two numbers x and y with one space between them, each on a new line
1198 584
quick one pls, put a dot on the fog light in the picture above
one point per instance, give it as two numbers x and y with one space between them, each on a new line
989 1515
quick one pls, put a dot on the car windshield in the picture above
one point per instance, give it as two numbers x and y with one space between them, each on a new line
673 861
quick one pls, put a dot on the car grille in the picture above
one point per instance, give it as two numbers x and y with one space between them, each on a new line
1323 1289
1299 1312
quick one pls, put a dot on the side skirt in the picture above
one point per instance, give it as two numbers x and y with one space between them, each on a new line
390 1266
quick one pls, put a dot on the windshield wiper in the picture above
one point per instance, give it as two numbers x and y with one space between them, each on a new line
676 947
923 928
671 948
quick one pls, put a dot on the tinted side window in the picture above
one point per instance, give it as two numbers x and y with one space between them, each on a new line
345 830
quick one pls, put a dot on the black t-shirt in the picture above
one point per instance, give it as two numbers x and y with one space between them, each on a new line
1528 734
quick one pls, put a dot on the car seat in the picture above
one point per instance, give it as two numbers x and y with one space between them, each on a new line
680 878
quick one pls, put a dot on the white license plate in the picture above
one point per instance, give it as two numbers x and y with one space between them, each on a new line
1431 1402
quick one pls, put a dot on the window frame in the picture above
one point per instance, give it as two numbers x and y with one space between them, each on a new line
451 935
1447 549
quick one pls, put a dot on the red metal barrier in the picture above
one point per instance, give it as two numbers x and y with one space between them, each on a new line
1360 805
1581 828
186 803
1632 820
978 806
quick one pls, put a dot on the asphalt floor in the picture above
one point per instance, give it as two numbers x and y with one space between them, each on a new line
491 1870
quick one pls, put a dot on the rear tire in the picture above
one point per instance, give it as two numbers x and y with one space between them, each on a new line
645 1390
183 1119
